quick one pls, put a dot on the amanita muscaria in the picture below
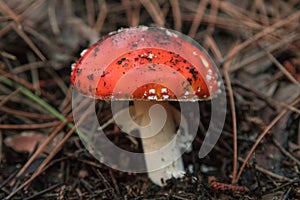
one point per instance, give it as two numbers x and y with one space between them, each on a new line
164 66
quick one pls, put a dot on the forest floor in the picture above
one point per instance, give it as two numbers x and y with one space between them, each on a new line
256 46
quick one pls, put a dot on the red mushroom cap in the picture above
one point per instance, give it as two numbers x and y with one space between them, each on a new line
155 58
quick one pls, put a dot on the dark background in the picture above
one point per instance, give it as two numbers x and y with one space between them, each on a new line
256 45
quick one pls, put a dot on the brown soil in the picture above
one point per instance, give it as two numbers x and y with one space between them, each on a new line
255 44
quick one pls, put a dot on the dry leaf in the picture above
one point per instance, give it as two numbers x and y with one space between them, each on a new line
25 142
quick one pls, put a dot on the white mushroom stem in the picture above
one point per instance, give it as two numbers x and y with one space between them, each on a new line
154 145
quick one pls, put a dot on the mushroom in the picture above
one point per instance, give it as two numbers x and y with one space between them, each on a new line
151 67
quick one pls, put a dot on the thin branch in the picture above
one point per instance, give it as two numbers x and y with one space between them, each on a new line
262 135
284 71
198 17
233 116
176 14
154 11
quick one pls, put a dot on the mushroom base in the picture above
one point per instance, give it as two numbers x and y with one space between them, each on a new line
161 150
